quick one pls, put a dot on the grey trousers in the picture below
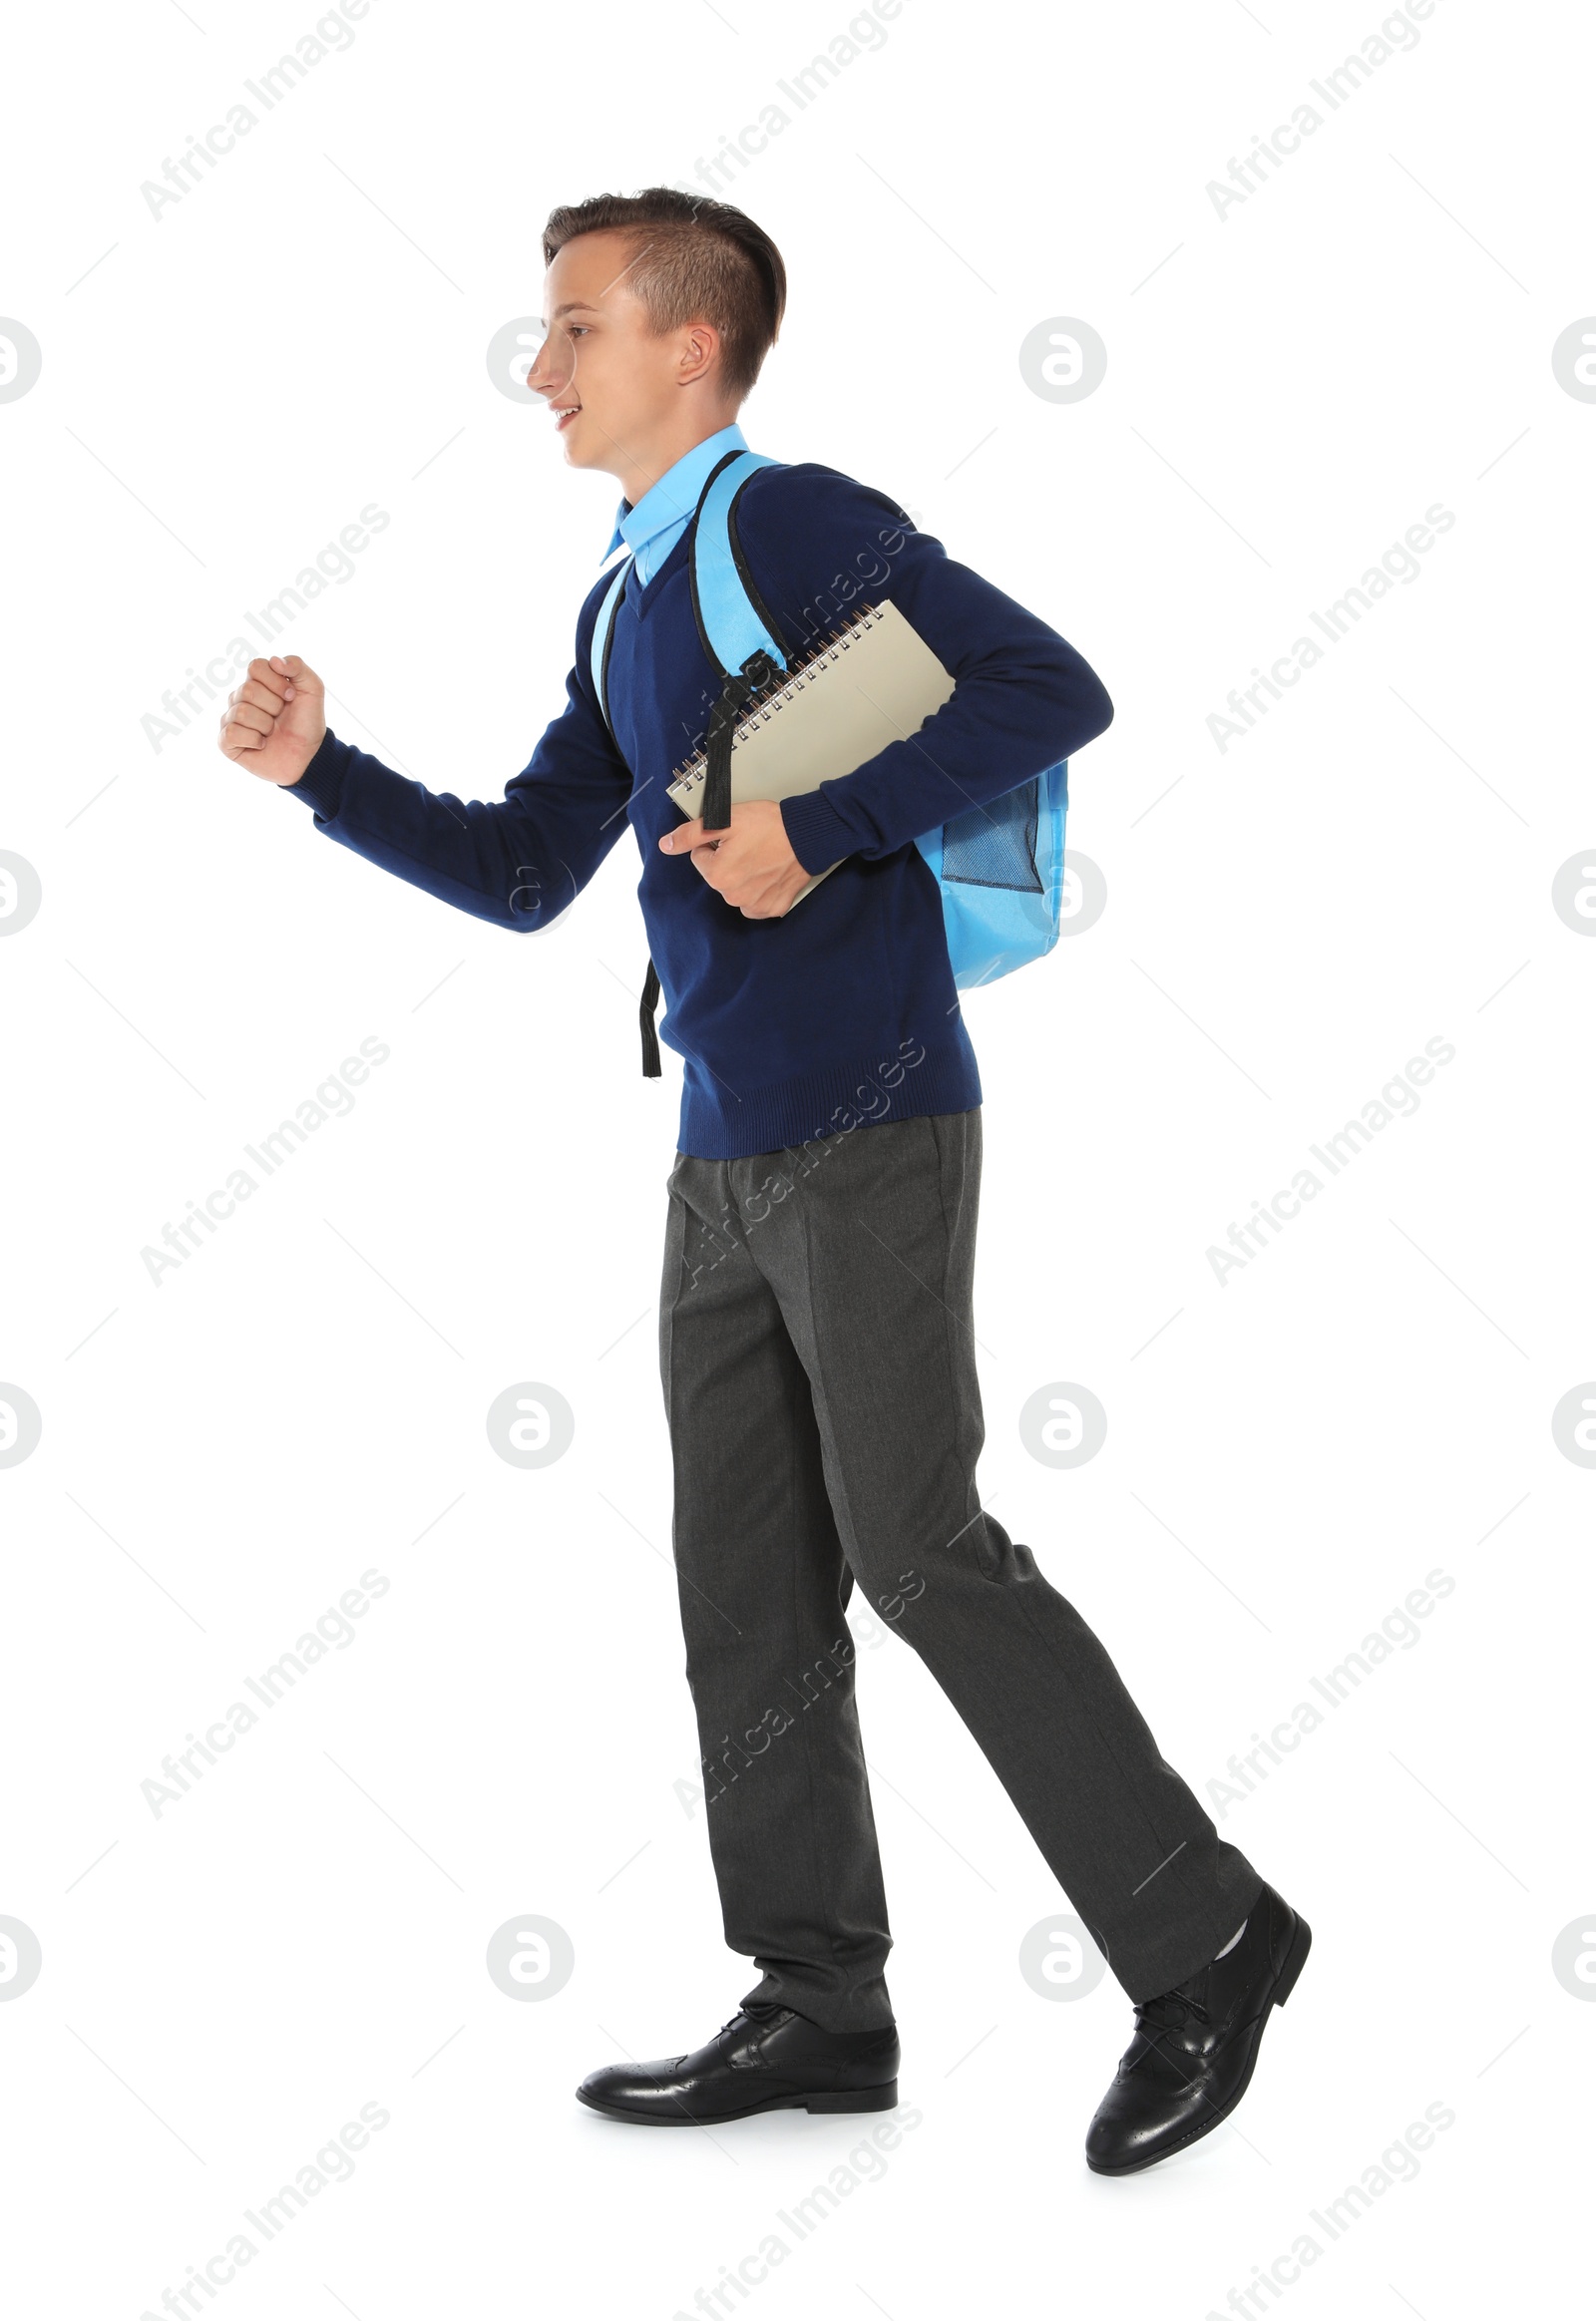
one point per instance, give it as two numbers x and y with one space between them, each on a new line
818 1362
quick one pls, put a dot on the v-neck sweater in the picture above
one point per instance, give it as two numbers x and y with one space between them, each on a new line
843 1012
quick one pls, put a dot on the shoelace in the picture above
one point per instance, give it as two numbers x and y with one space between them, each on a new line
1153 2025
760 2014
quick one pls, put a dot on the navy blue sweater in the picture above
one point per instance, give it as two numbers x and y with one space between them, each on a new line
845 1009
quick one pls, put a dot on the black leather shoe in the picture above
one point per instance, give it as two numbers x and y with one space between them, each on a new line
766 2059
1192 2056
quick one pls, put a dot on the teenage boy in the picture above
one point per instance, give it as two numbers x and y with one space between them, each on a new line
815 1338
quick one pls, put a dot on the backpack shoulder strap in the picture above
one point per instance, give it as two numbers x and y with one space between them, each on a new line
603 634
733 621
741 638
738 631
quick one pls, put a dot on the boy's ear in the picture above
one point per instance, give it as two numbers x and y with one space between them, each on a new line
700 349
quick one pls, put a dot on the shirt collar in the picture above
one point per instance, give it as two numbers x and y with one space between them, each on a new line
672 500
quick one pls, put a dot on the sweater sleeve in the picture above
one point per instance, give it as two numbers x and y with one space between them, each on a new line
516 860
1023 697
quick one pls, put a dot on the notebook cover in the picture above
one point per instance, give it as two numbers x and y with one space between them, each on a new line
872 682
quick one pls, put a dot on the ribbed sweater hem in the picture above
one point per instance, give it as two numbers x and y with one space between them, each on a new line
719 1126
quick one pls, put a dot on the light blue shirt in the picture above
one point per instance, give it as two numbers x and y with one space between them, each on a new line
652 529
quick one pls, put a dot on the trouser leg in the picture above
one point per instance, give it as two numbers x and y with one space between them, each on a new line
763 1585
870 1261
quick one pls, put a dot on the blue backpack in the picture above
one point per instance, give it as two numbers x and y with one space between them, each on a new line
1000 867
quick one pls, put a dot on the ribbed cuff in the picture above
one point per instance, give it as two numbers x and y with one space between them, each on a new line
320 786
816 831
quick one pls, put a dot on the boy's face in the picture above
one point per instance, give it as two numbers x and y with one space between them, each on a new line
610 384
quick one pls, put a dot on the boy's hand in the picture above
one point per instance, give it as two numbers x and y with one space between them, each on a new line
751 866
274 720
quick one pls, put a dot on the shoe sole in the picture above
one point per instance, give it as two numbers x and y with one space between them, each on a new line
882 2099
1285 1983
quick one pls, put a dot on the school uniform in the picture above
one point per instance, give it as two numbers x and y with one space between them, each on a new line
817 1356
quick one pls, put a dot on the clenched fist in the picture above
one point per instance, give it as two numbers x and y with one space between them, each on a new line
274 720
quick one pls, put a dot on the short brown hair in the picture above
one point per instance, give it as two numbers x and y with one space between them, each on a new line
691 259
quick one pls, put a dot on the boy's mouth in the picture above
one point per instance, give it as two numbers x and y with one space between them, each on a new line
565 413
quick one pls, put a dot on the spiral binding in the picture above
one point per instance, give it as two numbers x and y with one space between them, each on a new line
763 707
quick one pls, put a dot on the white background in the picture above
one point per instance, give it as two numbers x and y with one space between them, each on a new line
1289 1452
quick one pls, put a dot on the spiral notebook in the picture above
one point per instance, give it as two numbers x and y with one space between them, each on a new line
873 681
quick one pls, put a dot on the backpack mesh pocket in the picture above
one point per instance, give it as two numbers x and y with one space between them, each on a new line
995 845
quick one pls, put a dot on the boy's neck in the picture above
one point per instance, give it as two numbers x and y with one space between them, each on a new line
639 475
